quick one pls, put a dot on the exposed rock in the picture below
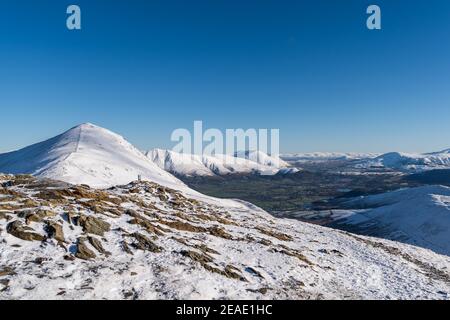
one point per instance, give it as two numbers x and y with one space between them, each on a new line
98 245
219 232
72 217
221 220
29 203
205 261
126 248
69 258
277 235
94 225
55 230
294 253
183 226
151 228
144 243
18 230
6 271
83 252
4 216
37 216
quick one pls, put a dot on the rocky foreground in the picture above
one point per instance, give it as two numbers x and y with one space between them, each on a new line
145 241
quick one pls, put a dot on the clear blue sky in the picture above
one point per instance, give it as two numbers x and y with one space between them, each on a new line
310 68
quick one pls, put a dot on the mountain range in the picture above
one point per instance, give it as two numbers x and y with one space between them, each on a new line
398 161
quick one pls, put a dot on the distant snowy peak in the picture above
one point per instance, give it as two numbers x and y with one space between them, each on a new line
443 152
86 154
219 164
326 156
411 162
408 162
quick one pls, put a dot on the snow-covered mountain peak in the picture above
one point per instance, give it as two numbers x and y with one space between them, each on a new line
86 154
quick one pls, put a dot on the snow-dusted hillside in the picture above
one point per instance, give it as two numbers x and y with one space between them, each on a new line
219 164
86 154
409 162
419 216
145 241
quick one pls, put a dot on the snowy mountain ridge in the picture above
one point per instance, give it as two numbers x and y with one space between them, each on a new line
219 164
410 162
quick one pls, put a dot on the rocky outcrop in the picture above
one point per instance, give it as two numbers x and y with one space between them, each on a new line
94 225
19 230
55 230
83 252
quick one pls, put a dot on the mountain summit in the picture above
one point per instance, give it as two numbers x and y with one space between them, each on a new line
86 154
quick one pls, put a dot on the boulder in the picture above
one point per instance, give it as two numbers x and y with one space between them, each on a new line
18 230
83 252
98 245
94 225
55 230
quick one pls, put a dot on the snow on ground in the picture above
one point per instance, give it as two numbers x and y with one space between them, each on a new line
418 216
145 241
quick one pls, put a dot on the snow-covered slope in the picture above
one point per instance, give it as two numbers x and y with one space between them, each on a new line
419 216
178 163
202 165
410 162
86 154
145 241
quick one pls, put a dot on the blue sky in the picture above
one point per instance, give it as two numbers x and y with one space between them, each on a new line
309 68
